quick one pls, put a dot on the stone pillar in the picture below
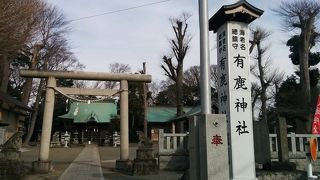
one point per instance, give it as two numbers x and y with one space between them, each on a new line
124 164
43 164
234 91
47 120
173 127
283 150
82 136
213 147
124 121
234 94
193 148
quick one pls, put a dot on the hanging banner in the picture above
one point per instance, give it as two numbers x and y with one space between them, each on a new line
316 120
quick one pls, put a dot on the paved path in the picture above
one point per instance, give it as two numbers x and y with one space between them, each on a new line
86 166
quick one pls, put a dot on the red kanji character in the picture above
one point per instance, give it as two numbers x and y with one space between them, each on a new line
216 140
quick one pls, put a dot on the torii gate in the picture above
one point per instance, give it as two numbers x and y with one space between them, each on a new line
44 164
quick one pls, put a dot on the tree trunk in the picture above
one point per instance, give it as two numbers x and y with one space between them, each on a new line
179 92
4 73
264 85
35 113
304 71
283 149
254 100
264 121
26 92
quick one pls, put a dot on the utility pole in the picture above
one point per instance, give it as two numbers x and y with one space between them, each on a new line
145 122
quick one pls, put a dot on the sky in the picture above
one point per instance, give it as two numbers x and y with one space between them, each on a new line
141 35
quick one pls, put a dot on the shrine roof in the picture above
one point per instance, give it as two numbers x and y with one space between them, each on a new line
163 114
97 112
192 112
241 11
104 112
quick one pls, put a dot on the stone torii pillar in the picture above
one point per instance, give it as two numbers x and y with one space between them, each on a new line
234 92
124 124
44 164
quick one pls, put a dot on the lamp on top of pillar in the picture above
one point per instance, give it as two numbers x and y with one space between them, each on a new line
241 11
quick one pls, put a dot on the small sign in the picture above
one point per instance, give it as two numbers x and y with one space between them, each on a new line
313 148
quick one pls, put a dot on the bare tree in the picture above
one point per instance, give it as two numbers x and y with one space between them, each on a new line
214 76
255 95
17 21
154 89
266 76
192 76
50 52
80 84
34 116
262 69
48 41
302 15
116 68
179 47
61 59
260 35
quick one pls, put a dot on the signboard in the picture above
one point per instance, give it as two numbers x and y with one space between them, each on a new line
234 96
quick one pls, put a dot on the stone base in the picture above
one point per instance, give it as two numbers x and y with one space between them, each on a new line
42 166
283 166
124 166
11 154
271 175
144 153
144 167
9 168
173 162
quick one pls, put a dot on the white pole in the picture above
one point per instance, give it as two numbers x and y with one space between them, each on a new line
205 90
309 163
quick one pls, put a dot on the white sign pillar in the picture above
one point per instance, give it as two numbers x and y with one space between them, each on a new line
234 86
234 96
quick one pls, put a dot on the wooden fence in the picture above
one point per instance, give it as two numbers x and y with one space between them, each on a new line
172 143
176 144
173 151
296 144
